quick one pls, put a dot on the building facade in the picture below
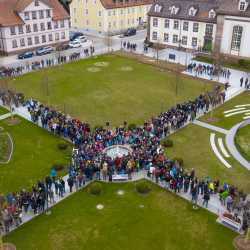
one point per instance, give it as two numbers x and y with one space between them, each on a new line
222 26
109 16
29 24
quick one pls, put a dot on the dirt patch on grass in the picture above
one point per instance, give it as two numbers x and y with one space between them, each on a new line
93 69
212 119
12 121
126 68
101 64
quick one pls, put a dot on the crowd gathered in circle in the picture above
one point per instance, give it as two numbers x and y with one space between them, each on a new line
89 162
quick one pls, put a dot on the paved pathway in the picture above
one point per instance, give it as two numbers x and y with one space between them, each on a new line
211 127
230 141
5 116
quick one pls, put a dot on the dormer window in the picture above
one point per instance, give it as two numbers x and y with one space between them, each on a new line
174 10
36 3
211 14
192 11
158 8
242 5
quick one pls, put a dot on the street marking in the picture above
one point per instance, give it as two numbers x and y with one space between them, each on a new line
216 151
237 112
246 117
223 149
232 110
242 105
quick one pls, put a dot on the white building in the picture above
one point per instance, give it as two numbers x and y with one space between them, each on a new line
219 25
28 24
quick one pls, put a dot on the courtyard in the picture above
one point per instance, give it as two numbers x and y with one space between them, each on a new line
109 88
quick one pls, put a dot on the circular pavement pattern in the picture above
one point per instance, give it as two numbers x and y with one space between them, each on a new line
101 64
126 68
93 69
99 206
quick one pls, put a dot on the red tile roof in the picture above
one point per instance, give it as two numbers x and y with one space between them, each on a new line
9 11
112 4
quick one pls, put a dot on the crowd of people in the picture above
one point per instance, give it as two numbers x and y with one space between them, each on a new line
25 67
206 69
129 46
244 82
89 160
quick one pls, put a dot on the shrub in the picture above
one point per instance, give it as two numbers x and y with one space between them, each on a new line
242 62
95 188
142 187
59 167
179 160
132 126
62 146
167 143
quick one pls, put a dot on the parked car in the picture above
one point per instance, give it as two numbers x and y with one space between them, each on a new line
81 39
130 32
44 51
63 47
75 44
27 54
75 35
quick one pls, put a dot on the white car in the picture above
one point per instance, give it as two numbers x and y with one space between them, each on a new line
75 44
81 39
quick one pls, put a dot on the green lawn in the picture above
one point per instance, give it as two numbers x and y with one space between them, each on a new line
192 144
166 222
35 151
111 94
3 111
228 122
242 140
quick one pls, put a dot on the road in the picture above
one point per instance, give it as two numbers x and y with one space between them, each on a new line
100 43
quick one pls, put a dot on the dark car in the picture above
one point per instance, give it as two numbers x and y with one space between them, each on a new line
75 35
25 55
130 32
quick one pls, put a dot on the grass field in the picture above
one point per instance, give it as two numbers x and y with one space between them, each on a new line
3 111
192 144
124 90
35 151
242 140
166 222
228 122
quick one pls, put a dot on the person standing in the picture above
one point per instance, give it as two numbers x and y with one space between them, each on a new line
241 82
206 198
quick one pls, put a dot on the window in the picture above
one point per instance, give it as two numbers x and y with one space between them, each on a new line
114 13
195 27
62 23
166 24
192 11
176 24
109 24
49 26
166 37
57 36
87 22
128 21
100 24
26 16
12 30
14 44
194 42
47 13
35 28
50 37
22 42
36 39
158 8
43 39
109 13
185 26
121 11
63 35
41 15
114 23
211 14
28 29
56 25
86 12
236 37
42 26
99 13
128 10
174 10
36 3
242 6
33 14
29 41
154 35
184 40
209 30
155 22
175 39
20 29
